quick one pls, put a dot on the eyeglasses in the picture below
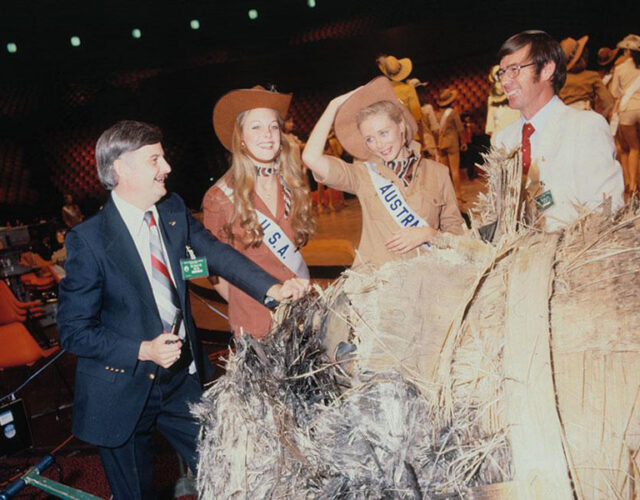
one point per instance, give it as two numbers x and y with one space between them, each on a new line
512 70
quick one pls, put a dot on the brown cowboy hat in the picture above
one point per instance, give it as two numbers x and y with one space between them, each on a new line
394 68
347 131
606 55
447 96
230 105
573 49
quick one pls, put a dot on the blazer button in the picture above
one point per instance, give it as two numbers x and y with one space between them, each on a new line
152 376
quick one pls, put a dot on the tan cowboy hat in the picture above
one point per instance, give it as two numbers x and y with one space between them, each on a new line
606 55
447 96
631 42
395 69
573 49
230 105
347 131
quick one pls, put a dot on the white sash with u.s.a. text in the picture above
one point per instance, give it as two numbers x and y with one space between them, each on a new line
276 240
392 199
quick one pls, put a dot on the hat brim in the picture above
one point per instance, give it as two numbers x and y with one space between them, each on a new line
230 105
347 131
629 44
606 60
448 100
406 67
578 52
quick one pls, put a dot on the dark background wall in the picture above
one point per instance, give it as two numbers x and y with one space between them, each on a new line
55 99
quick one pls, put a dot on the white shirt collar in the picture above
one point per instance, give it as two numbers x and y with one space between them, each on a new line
133 217
540 119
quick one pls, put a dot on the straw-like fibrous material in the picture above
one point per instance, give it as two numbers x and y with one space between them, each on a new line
285 423
502 370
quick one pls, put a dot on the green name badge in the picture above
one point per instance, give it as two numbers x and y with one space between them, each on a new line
194 268
544 201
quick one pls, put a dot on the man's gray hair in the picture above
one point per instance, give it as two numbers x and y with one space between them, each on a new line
124 136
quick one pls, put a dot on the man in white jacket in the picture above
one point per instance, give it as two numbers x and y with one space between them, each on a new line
568 155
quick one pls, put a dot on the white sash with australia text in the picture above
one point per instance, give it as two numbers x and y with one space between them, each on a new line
393 201
276 240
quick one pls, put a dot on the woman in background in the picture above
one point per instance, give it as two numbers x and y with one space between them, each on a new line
625 87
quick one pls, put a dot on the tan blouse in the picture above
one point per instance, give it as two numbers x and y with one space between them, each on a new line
587 86
244 311
430 195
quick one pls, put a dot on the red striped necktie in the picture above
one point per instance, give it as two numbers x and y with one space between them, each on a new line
527 130
164 291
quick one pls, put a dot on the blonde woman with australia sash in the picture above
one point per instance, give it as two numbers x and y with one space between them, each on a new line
406 200
261 205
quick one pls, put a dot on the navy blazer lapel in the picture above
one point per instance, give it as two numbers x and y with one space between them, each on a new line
173 230
122 252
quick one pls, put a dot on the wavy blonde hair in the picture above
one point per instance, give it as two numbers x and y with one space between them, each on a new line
243 172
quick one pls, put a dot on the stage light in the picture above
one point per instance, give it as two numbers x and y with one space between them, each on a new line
12 48
253 14
136 33
311 3
195 24
75 41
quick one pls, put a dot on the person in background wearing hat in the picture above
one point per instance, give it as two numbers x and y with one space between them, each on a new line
583 89
429 127
450 136
405 199
261 205
568 156
499 114
607 62
398 70
625 87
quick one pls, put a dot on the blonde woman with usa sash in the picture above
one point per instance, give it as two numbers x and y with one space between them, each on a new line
406 199
261 206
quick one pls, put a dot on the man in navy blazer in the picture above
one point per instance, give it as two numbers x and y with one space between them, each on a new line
133 375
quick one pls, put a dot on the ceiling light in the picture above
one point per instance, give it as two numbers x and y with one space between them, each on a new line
136 33
75 41
12 48
253 14
195 24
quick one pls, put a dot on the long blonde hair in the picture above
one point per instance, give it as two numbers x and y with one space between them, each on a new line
243 174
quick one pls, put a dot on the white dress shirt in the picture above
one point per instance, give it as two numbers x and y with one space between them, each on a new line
134 220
